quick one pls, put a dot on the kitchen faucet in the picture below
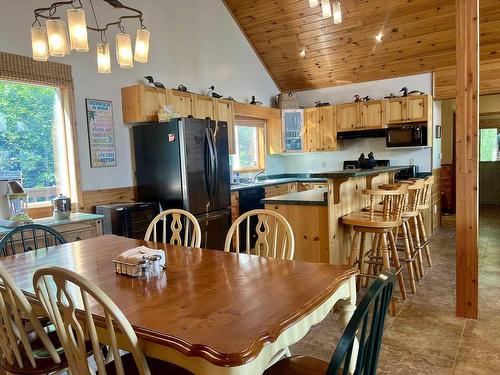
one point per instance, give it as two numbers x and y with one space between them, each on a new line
254 178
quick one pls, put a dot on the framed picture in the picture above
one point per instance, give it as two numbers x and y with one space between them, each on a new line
101 133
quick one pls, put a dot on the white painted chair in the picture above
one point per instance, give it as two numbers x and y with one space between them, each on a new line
61 292
185 228
274 235
16 345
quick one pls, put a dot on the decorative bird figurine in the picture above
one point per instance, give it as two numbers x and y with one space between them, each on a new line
155 84
182 88
255 102
390 96
356 98
404 90
366 98
321 104
212 93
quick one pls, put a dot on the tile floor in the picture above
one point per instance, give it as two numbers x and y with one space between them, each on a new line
425 336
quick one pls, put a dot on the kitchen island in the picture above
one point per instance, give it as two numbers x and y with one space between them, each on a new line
316 221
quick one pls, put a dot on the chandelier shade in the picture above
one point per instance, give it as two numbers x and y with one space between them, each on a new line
57 37
124 54
142 46
326 9
103 58
337 12
313 3
39 44
77 27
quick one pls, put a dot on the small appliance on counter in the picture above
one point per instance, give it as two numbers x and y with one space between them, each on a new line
13 200
354 164
406 174
61 206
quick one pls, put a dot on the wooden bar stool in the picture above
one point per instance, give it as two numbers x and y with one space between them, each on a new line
381 219
424 205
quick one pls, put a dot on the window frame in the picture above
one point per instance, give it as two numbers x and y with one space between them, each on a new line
260 125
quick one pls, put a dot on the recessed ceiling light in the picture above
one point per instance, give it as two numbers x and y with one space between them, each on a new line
302 52
379 37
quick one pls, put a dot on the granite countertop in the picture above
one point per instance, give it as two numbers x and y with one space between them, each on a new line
277 180
50 222
349 173
314 197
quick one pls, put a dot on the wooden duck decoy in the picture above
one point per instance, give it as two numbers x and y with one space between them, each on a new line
405 92
151 81
367 98
212 93
255 102
390 96
321 104
356 98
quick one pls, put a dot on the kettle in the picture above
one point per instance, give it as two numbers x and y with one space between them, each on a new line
62 207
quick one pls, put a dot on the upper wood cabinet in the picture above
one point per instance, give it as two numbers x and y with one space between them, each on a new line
203 107
141 103
360 115
182 102
408 109
320 129
225 112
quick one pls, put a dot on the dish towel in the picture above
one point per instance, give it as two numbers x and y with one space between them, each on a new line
132 256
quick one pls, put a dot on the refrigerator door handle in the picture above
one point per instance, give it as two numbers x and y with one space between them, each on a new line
207 172
213 157
216 160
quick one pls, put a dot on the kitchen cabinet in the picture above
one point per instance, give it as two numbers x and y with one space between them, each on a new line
235 205
274 190
305 186
274 136
360 115
182 103
293 130
408 109
225 112
320 129
141 103
203 107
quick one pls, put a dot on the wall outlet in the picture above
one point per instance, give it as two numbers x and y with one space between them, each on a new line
323 164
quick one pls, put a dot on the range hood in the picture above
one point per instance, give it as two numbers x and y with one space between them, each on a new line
376 133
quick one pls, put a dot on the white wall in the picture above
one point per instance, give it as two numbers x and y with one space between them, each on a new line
193 42
325 161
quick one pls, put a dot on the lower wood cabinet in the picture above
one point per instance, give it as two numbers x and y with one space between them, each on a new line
274 190
305 186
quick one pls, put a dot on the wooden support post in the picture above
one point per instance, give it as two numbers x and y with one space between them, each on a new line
467 129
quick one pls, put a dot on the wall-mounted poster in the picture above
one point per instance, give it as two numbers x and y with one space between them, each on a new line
101 133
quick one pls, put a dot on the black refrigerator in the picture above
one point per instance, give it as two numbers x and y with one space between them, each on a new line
185 164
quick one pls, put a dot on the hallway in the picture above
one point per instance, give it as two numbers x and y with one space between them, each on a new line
426 337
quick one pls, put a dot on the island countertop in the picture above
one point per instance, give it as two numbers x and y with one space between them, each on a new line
314 197
350 173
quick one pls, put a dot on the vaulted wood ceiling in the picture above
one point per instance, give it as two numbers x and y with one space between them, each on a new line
419 36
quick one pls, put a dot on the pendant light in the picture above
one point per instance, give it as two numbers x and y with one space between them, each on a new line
39 44
313 3
58 40
142 46
337 13
326 9
103 58
124 51
78 30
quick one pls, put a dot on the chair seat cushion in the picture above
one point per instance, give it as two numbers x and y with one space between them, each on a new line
298 365
156 366
367 220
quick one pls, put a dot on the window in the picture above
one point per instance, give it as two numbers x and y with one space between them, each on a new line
249 145
489 145
33 139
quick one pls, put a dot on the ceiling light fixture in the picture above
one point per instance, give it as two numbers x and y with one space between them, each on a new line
379 37
313 3
326 9
337 13
53 39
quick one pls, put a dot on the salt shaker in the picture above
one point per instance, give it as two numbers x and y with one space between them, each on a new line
144 268
155 265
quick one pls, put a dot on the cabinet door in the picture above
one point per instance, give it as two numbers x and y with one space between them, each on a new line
293 130
225 113
141 103
312 129
328 128
204 107
347 117
274 137
182 103
154 99
417 108
395 110
372 114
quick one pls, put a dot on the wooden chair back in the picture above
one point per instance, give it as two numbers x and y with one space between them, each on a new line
15 311
182 226
390 203
415 191
61 292
367 326
274 235
29 237
426 198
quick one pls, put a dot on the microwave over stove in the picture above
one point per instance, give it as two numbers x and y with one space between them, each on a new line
406 136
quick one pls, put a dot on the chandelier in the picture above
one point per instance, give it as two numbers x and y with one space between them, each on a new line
327 10
52 38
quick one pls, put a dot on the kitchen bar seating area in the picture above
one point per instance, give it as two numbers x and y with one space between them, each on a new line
232 187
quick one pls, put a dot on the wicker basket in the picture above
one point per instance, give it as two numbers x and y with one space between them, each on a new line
287 100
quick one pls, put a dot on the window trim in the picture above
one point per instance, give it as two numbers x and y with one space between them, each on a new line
261 129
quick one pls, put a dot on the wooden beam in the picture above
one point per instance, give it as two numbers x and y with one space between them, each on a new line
467 128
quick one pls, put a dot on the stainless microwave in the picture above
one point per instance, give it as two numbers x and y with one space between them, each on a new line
406 136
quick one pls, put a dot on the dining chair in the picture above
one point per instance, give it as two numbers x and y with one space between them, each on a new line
24 351
184 229
61 292
273 232
28 237
359 346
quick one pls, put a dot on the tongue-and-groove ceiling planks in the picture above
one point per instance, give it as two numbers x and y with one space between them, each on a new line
419 36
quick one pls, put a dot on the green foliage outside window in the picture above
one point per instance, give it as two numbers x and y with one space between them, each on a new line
488 148
247 143
26 123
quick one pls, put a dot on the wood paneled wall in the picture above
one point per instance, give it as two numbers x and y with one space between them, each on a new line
92 198
448 188
445 81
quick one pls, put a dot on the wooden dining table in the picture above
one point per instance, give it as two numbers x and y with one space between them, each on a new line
210 312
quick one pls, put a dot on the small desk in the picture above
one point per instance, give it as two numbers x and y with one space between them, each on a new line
212 312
